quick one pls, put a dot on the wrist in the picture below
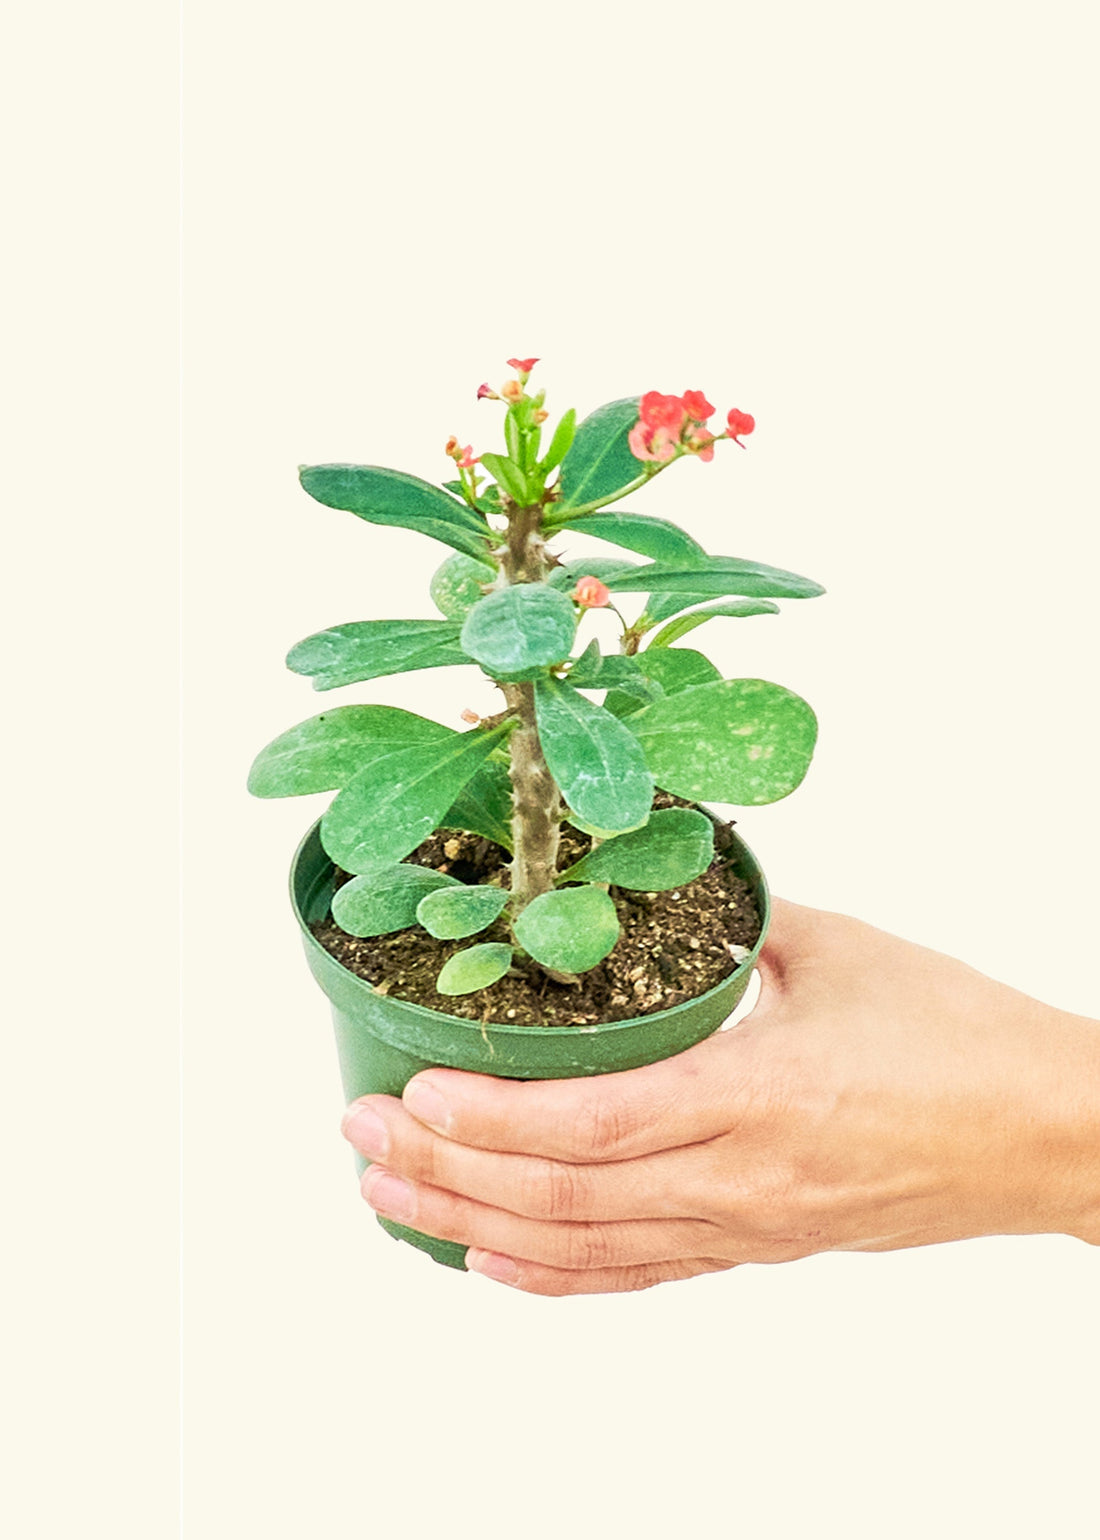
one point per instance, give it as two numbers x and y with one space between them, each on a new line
1064 1127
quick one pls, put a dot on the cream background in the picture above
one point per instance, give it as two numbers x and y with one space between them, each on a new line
872 226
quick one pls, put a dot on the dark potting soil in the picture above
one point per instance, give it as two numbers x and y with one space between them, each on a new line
674 945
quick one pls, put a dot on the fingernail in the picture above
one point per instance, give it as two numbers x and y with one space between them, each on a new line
389 1195
427 1105
365 1129
490 1265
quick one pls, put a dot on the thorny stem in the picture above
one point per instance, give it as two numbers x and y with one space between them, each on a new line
537 807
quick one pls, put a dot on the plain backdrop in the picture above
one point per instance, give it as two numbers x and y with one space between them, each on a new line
874 227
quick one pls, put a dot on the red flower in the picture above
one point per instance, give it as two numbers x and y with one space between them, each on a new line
487 390
657 411
468 459
591 593
739 422
522 365
696 406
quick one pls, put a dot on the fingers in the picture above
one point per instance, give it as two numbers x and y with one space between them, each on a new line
532 1278
668 1185
570 1245
681 1101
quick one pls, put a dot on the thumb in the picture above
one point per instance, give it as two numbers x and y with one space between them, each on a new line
786 950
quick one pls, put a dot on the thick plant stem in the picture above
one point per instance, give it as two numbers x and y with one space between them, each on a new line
537 805
536 818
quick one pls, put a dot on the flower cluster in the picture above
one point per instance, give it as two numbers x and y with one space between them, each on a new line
669 426
511 390
463 457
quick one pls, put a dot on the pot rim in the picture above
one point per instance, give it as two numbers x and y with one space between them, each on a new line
739 851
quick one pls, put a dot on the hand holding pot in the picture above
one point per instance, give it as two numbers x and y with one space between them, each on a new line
879 1096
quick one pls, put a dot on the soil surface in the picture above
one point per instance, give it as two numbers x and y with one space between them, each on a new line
674 945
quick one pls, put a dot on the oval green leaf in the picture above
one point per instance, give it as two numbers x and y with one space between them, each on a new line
457 585
518 631
717 575
675 846
660 673
451 913
559 444
596 761
656 538
475 968
384 496
387 900
595 670
677 668
732 607
370 649
398 799
484 805
327 751
744 741
570 930
599 466
566 573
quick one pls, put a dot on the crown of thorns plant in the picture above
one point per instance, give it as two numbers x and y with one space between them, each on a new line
514 607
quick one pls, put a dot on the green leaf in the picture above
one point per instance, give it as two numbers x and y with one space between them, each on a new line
327 751
398 799
559 444
566 574
660 673
570 930
456 586
737 740
599 466
383 496
595 760
736 607
518 631
475 968
595 670
677 668
484 805
451 913
630 694
512 435
660 607
509 475
676 845
716 575
656 538
387 900
600 834
369 649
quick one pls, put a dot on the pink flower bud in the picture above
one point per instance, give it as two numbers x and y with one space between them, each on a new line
700 441
487 391
591 593
451 447
740 422
470 716
466 459
511 390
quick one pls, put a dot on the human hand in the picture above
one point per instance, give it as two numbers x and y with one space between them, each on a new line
878 1096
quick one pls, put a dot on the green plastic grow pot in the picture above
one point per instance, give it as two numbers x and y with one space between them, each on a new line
383 1042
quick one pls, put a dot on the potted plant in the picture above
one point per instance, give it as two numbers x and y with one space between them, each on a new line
539 893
